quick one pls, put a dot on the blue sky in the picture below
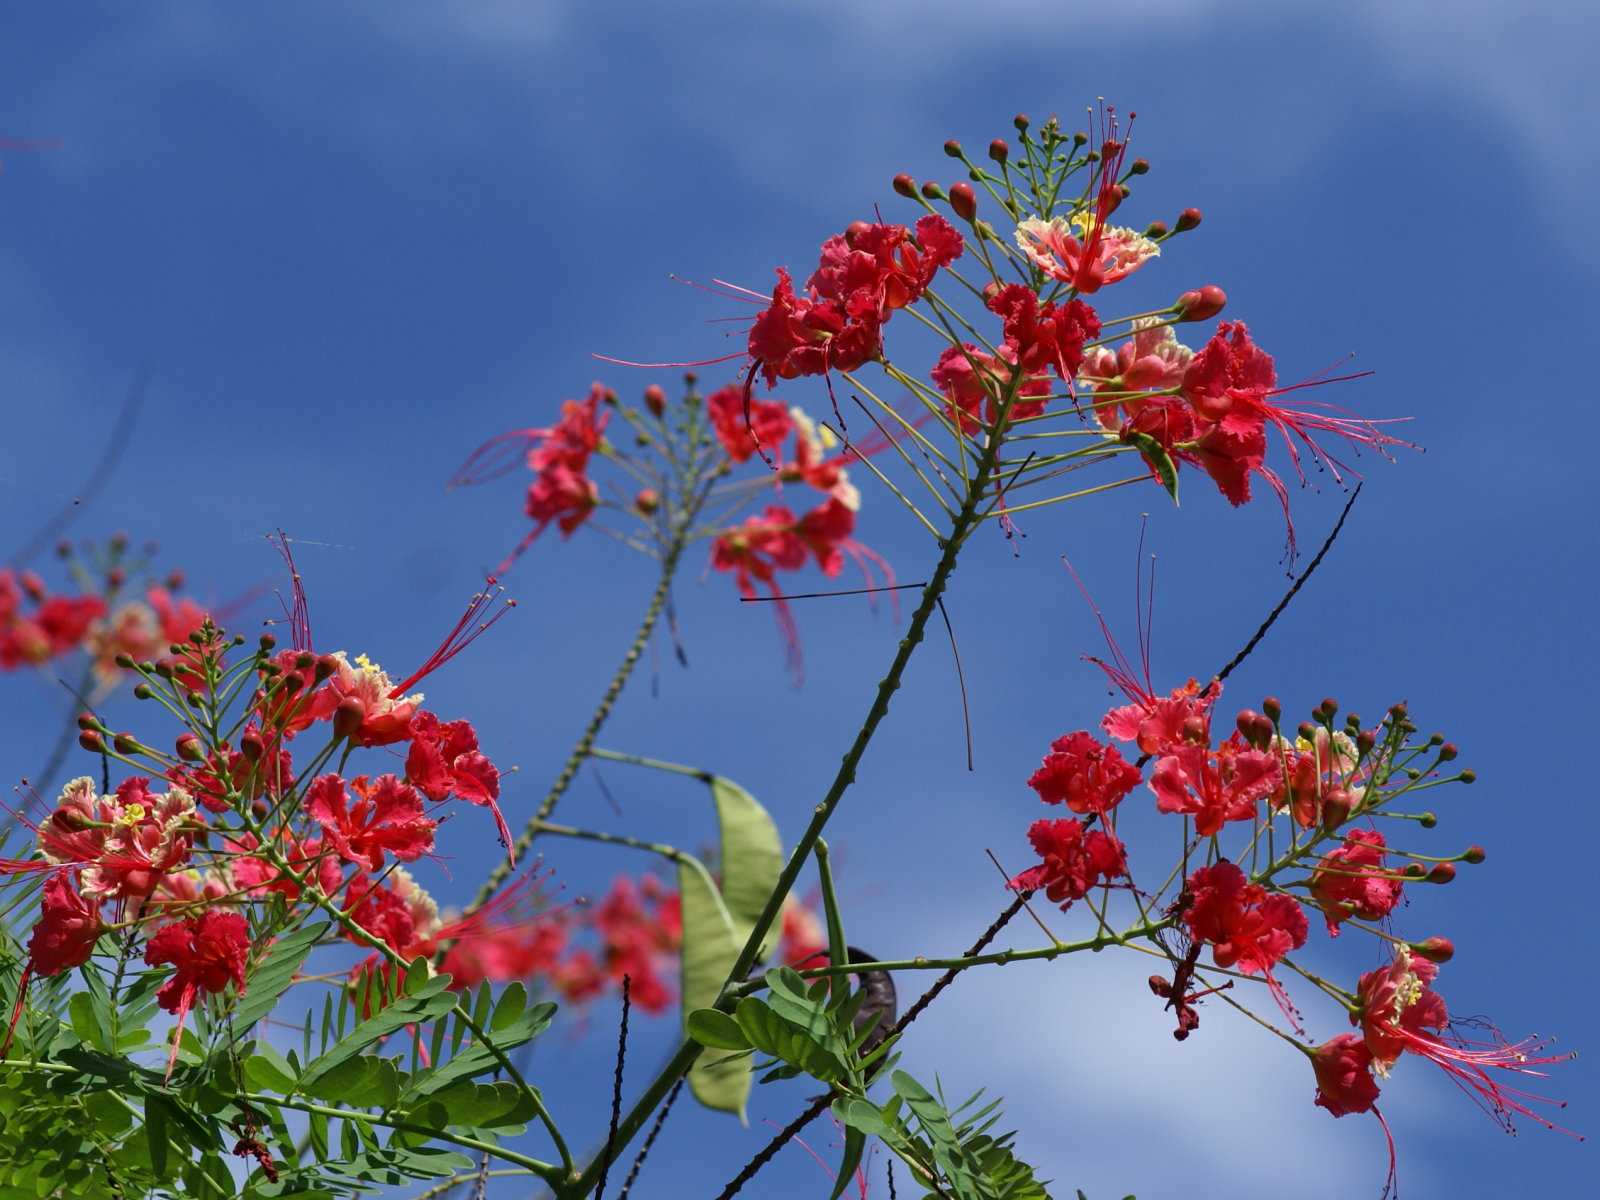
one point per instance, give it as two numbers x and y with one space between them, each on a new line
352 242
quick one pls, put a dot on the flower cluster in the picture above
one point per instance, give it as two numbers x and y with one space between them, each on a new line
188 852
1304 807
684 454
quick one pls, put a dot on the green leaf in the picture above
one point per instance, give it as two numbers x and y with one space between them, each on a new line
264 1075
855 1142
276 972
710 949
364 1081
1156 455
493 1106
715 1029
751 855
85 1015
428 1003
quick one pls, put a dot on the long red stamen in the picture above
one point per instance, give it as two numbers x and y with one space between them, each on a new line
459 638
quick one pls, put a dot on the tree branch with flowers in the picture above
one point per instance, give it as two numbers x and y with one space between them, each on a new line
328 1031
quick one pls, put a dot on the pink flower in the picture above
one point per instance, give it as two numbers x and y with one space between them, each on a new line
1214 787
1103 255
1398 1011
1247 927
1353 882
69 925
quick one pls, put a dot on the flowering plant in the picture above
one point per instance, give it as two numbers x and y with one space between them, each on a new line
301 785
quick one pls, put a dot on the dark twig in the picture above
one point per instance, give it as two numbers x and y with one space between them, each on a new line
650 1138
815 1108
1289 595
898 587
99 475
961 679
616 1095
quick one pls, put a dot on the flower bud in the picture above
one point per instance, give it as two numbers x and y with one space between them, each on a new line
1272 709
125 743
143 691
1156 229
647 501
1468 776
963 201
1139 166
90 741
1201 304
1246 721
1473 854
1021 122
1188 219
162 667
304 661
1428 820
1336 808
1415 870
1365 741
1434 949
998 150
905 186
267 642
190 748
1447 752
293 682
1330 709
251 745
953 148
116 577
348 716
1442 873
327 664
655 399
932 191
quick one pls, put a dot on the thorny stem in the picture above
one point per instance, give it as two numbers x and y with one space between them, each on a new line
580 752
967 518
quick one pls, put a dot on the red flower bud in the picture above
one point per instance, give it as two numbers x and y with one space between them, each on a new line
1201 303
933 191
1021 122
348 716
963 200
1272 708
953 148
1156 229
1139 166
251 746
90 741
905 185
327 664
190 748
655 399
1336 808
998 150
1188 219
647 501
88 720
1434 949
1473 854
1442 873
125 743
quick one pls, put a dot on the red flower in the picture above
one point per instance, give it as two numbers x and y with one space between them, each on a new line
207 953
1104 255
1041 337
444 759
1353 882
1247 927
69 925
1343 1067
386 816
1084 774
974 383
863 276
744 428
1074 861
